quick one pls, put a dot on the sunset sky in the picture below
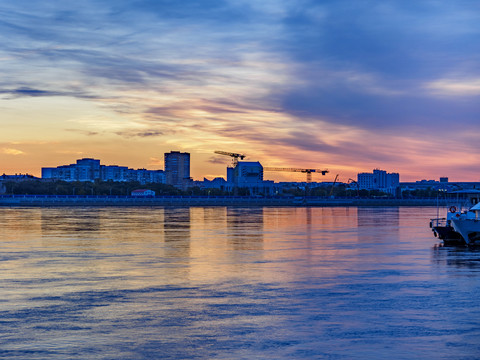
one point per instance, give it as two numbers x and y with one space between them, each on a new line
348 85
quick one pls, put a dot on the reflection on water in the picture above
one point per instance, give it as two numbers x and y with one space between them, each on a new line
176 231
234 283
245 228
458 257
379 217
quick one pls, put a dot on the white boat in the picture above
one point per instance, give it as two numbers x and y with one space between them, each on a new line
467 224
442 228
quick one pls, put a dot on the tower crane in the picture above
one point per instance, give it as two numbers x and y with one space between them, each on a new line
234 156
305 171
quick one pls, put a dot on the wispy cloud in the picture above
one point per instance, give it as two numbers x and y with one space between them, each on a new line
156 161
11 151
141 134
83 132
450 87
217 160
29 92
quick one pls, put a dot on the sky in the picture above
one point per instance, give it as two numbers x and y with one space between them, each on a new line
344 85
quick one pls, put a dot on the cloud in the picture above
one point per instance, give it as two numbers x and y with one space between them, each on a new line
11 151
450 87
156 162
30 92
367 64
83 132
142 134
213 107
217 160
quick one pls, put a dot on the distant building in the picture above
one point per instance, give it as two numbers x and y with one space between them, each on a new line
249 175
90 170
217 183
143 192
379 180
443 185
117 173
365 181
87 169
177 169
247 172
17 177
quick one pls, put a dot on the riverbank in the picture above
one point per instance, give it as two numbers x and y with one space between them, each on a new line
72 200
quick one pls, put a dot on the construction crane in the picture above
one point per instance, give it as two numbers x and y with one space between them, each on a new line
333 185
234 156
351 181
305 171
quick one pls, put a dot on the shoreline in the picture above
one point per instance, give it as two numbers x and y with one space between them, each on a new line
93 200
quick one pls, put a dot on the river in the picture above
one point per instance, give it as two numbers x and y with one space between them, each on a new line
234 283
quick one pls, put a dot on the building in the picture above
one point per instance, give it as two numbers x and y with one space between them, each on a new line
177 169
379 180
90 170
143 192
117 173
249 175
217 183
17 177
365 181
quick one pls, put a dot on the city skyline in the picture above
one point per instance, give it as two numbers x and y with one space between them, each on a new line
114 172
345 85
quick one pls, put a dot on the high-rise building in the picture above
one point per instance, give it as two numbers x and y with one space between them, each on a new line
177 169
378 180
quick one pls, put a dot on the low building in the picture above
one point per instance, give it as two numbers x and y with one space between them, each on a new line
143 192
217 183
442 185
90 170
17 177
248 175
245 173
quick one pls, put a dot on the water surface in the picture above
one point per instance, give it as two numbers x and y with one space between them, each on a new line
234 283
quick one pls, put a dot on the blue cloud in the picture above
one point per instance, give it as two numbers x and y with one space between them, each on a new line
29 92
401 45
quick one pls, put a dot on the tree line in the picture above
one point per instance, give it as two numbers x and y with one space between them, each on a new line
39 187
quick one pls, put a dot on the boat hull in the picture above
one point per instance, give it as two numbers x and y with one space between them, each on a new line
448 235
469 229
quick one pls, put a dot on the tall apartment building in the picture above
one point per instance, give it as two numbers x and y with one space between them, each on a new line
177 169
90 170
378 180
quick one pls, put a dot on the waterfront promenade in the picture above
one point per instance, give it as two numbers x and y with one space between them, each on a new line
92 200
